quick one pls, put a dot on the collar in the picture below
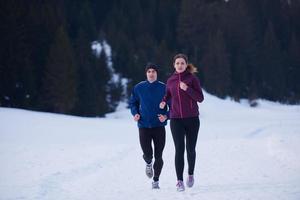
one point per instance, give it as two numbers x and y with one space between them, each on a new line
182 73
151 82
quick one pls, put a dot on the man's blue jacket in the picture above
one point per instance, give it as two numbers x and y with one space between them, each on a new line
144 100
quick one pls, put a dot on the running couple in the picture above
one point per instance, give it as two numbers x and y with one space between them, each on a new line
148 103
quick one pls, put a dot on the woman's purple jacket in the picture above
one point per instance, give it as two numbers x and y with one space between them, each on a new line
183 103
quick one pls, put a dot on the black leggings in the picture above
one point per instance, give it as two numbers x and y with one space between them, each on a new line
158 135
186 128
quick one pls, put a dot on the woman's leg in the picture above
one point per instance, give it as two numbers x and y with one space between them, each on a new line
178 133
192 128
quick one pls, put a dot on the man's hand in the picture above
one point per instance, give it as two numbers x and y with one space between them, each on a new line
162 105
136 117
162 118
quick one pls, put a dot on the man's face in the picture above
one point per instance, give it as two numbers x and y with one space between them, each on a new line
151 75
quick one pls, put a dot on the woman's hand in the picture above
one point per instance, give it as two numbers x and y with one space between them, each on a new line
136 117
162 118
162 105
183 86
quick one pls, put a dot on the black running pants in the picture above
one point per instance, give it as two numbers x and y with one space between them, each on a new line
158 136
185 133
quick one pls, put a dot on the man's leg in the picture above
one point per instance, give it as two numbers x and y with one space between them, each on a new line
145 142
159 139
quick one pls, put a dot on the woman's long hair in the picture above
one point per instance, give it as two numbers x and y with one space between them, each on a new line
190 67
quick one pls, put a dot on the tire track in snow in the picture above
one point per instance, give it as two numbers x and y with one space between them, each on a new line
51 186
258 131
289 187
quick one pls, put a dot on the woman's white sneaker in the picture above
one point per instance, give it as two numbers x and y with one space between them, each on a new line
180 186
190 181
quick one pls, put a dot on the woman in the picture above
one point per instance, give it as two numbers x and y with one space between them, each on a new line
183 90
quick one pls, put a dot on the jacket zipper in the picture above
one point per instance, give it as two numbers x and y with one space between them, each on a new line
179 96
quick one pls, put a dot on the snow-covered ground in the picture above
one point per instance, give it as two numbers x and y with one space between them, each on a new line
242 153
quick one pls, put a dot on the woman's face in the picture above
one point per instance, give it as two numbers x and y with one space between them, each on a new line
180 65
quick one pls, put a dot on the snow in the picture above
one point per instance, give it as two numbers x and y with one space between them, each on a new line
98 47
242 153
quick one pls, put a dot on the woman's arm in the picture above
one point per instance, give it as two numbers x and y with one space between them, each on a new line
165 99
195 92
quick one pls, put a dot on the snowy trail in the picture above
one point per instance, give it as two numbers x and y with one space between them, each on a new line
242 153
52 187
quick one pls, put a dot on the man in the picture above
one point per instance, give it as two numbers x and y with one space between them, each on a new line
151 120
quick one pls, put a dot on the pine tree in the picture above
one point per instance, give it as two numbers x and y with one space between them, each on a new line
90 92
100 9
101 77
44 18
86 87
217 66
17 74
165 22
198 20
293 72
273 79
188 40
59 83
163 58
243 45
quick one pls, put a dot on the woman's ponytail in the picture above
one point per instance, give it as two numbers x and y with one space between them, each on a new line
191 68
